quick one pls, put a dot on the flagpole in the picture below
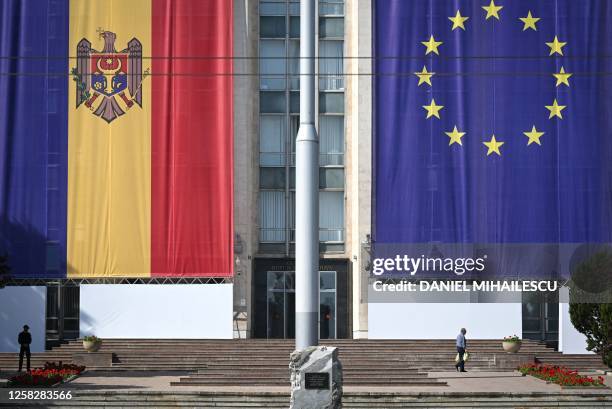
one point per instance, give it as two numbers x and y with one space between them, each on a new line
307 191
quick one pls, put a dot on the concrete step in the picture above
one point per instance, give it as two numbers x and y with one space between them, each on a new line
353 400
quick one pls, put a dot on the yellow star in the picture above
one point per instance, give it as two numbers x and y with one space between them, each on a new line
556 46
563 77
433 109
493 146
492 10
555 110
424 76
432 45
458 21
455 136
530 21
534 136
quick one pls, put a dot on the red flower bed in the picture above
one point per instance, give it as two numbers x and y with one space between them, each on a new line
51 374
560 375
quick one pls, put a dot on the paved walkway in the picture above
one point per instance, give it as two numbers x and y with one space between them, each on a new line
475 381
457 382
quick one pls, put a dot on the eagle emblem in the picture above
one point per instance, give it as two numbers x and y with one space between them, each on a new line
109 82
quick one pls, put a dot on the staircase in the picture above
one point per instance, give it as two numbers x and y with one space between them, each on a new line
350 400
265 362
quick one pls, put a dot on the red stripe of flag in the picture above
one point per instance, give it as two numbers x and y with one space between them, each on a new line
192 139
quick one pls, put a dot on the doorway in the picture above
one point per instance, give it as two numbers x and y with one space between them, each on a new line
280 301
62 316
541 317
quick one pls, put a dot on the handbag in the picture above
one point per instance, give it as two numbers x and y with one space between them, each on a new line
466 357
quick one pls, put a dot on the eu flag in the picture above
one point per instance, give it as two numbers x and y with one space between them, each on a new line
493 121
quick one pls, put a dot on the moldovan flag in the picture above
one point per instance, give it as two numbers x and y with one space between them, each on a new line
116 138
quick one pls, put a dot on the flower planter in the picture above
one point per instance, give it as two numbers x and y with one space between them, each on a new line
91 346
511 347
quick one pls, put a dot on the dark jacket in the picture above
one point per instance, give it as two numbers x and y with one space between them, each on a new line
25 338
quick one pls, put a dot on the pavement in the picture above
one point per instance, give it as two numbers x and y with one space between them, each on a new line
477 381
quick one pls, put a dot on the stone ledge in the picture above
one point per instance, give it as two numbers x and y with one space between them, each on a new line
512 361
95 359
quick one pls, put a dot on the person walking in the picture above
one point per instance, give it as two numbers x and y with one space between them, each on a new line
461 350
24 339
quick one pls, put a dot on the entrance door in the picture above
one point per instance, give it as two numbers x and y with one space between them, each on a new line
281 304
62 318
541 316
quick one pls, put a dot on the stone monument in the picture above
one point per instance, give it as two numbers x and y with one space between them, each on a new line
316 378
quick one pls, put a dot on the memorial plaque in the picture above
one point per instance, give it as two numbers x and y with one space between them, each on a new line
316 380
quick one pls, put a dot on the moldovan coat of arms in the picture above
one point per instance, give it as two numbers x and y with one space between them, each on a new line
109 82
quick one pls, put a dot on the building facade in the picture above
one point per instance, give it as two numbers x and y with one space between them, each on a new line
258 302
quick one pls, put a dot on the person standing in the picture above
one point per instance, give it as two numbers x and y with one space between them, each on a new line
461 349
24 339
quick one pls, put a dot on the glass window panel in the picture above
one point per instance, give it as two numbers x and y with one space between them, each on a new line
276 280
272 27
272 102
294 8
291 178
272 64
294 126
327 311
331 102
327 280
294 27
272 216
291 211
272 8
272 140
272 178
331 140
276 314
294 105
331 178
331 65
290 280
531 325
331 216
331 27
294 65
331 7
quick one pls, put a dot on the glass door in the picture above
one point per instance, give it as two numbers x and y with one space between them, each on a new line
281 304
62 313
541 316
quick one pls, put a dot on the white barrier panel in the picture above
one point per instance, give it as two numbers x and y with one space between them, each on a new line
443 320
20 306
157 310
570 340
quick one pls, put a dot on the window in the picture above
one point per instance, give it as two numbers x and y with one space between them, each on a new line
272 64
331 27
331 7
331 65
272 102
272 140
331 102
331 178
272 178
272 216
331 140
279 51
331 216
272 27
294 65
